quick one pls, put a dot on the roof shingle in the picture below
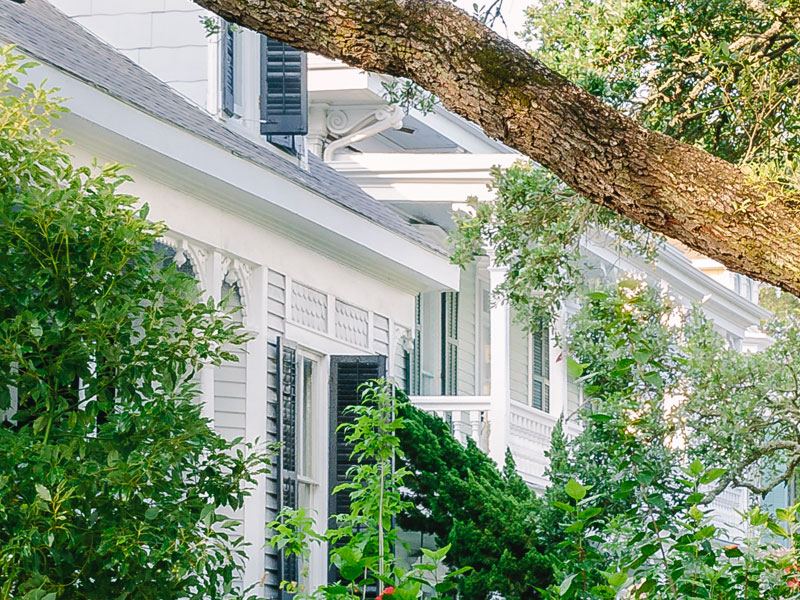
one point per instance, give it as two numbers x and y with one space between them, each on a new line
42 32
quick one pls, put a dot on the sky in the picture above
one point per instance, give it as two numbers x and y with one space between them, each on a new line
513 13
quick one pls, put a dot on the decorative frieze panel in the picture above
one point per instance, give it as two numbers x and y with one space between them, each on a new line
309 307
352 324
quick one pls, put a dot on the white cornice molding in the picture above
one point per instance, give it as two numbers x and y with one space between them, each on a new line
685 280
214 173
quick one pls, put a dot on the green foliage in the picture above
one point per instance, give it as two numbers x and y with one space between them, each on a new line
645 552
363 540
631 490
535 228
639 353
487 517
408 95
721 75
111 482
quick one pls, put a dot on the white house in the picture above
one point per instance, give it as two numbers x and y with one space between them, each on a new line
327 276
325 210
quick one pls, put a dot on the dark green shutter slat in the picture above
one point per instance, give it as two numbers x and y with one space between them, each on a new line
287 457
540 392
415 358
449 343
347 375
228 74
284 89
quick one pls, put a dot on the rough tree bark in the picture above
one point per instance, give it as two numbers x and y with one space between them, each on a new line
678 190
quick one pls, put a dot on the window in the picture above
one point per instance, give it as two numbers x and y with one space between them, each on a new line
306 370
301 423
744 286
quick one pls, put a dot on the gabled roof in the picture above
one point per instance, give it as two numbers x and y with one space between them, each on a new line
42 32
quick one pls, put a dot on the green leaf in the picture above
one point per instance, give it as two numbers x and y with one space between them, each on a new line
564 506
785 515
574 368
43 492
575 490
597 295
653 378
600 417
712 475
777 529
566 584
647 585
695 468
113 458
616 579
151 513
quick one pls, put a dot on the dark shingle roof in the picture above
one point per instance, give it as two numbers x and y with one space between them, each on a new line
44 33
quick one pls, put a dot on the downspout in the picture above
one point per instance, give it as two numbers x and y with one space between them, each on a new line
384 119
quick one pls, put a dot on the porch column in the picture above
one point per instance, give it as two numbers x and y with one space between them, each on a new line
500 323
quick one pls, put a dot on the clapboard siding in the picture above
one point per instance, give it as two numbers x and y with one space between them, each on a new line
518 363
573 396
466 333
230 412
276 320
380 335
401 367
230 396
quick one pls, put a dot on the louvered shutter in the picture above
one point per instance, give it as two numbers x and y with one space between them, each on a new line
287 458
284 89
228 76
449 343
540 379
347 374
415 356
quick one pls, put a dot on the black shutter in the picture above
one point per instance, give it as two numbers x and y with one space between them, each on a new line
287 457
347 374
284 89
415 356
227 69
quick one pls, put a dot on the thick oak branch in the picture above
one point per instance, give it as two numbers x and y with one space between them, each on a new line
670 187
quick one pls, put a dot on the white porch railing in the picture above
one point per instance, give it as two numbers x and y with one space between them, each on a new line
728 508
468 416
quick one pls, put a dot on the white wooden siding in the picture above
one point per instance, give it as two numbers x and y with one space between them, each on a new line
380 334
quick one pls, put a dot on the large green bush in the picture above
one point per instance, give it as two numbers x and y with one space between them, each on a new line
489 517
111 482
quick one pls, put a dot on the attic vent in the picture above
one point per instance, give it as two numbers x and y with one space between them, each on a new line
284 89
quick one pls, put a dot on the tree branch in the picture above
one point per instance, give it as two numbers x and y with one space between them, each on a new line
670 187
